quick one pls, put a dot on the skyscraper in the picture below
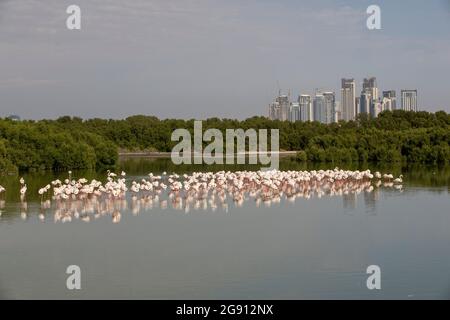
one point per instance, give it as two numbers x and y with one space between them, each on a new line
283 101
390 94
319 108
329 107
279 109
294 112
409 100
348 92
274 111
357 105
370 85
337 111
365 102
375 109
305 104
386 104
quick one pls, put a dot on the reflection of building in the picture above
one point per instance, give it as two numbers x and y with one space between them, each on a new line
305 104
370 199
349 200
348 92
409 100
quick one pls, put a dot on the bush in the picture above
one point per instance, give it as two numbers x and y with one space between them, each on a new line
301 156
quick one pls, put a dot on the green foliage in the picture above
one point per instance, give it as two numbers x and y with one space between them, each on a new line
73 143
43 145
301 156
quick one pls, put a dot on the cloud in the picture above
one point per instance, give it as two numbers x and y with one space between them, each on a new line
185 58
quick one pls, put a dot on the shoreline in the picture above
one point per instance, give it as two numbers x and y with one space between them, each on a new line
154 154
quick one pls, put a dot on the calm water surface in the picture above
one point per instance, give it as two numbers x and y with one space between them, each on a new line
316 248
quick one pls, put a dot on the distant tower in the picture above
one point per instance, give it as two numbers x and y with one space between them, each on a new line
274 111
409 100
330 106
370 85
348 92
305 104
319 108
375 109
357 105
294 112
386 104
365 101
283 102
390 94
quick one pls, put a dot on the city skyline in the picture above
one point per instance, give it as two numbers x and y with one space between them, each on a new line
325 108
201 59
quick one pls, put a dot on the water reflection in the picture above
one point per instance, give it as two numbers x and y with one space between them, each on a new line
201 191
436 179
311 240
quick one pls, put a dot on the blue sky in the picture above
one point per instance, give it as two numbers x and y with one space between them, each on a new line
204 58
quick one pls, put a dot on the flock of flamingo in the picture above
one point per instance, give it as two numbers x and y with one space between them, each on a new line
80 198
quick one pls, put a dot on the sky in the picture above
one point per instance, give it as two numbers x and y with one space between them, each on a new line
213 58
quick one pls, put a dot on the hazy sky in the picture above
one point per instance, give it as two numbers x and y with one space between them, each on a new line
204 58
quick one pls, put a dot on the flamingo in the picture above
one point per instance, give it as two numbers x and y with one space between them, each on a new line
399 180
23 189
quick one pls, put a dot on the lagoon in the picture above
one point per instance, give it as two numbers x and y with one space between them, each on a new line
316 248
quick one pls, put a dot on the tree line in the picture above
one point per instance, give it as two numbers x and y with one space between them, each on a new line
74 143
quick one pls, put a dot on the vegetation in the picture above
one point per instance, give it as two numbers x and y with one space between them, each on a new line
30 145
73 143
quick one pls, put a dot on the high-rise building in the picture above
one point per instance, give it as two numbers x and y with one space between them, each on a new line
409 100
387 104
283 101
324 107
390 94
274 111
370 85
357 105
330 106
348 92
337 111
294 112
319 108
375 109
305 103
279 109
365 102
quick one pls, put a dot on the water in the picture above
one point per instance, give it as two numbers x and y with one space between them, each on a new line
317 248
